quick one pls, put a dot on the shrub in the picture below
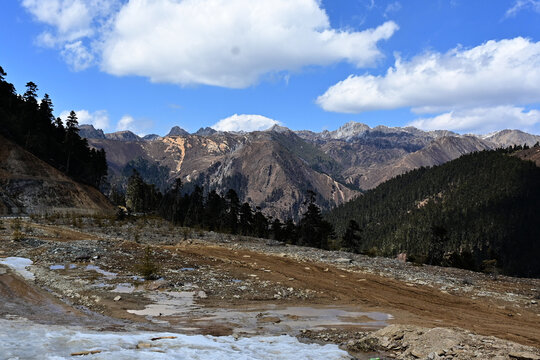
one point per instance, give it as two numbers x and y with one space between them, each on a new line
148 269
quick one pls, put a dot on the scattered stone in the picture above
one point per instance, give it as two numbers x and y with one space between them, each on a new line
202 295
143 345
524 356
117 298
269 319
163 337
82 353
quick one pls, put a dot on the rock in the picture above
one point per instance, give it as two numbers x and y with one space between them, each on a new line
117 298
522 355
202 295
344 261
82 353
143 345
269 319
163 337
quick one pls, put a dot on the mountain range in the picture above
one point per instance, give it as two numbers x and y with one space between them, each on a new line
274 168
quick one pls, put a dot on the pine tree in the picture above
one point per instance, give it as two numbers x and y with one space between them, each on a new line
246 219
231 214
351 238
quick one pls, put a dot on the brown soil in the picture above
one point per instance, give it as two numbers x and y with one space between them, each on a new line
417 305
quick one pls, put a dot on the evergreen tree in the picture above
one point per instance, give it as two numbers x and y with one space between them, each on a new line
351 238
260 224
135 193
313 230
276 230
289 232
246 219
214 211
34 127
231 214
195 211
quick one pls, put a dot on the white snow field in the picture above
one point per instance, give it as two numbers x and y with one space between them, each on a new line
23 339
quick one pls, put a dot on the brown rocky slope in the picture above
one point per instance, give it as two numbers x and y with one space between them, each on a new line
28 185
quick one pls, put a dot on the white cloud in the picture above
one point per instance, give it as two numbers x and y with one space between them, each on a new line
138 126
392 8
228 43
127 122
73 26
505 72
78 56
245 123
481 120
241 40
99 119
520 5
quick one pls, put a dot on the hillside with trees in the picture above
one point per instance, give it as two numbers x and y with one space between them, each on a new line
30 123
478 212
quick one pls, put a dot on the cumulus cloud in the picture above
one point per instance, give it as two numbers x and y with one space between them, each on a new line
240 42
99 119
481 120
520 5
138 126
77 55
245 123
392 8
125 123
505 72
72 26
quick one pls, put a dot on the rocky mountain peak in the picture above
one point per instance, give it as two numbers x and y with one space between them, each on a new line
177 131
205 131
124 135
279 129
90 132
151 137
350 130
509 137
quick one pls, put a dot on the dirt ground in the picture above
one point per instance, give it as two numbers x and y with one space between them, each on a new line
240 273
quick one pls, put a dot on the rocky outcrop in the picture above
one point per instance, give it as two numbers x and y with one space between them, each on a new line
89 132
413 342
177 131
125 135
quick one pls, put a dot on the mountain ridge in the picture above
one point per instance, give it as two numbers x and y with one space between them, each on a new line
337 164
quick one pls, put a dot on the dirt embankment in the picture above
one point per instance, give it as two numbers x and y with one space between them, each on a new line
29 185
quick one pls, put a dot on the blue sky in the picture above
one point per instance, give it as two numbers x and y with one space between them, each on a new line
467 66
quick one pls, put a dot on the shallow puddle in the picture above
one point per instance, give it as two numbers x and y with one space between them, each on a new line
124 288
181 310
97 269
167 304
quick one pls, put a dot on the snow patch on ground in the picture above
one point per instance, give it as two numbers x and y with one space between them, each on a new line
19 265
59 342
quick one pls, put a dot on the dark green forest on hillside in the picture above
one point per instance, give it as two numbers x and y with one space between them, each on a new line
478 212
30 123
